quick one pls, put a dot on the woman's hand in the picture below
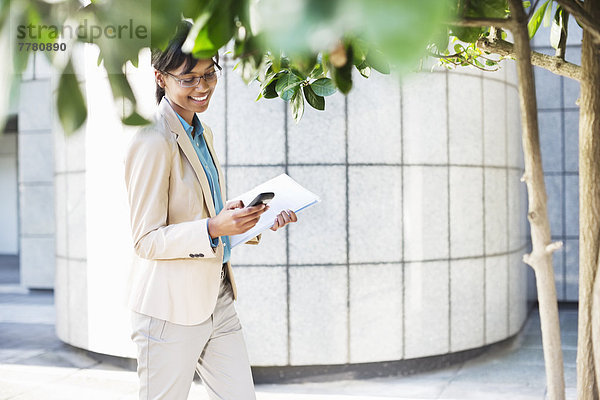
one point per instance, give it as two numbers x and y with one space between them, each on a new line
284 218
234 219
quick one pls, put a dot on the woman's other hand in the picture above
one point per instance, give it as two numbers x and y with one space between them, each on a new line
284 218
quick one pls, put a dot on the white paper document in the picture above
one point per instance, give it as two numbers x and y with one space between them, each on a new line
289 195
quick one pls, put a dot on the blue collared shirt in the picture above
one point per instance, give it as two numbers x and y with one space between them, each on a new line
210 170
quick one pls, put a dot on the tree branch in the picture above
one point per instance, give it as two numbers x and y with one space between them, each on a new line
583 17
553 64
532 9
480 22
554 246
448 57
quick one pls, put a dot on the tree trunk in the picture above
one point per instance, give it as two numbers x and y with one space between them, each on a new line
588 348
540 258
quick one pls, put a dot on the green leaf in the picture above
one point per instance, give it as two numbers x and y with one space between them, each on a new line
526 4
135 119
304 64
360 48
323 87
268 79
536 19
298 73
316 101
72 110
441 40
191 9
269 91
244 15
343 80
276 63
217 31
377 60
252 49
287 85
343 76
120 87
248 72
317 71
364 70
558 31
487 8
399 29
238 48
297 105
469 35
548 15
20 59
165 15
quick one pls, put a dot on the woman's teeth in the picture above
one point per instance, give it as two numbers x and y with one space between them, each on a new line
199 98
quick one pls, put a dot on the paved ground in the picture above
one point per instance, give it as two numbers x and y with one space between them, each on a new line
35 365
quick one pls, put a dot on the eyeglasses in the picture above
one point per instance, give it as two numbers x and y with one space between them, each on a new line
194 81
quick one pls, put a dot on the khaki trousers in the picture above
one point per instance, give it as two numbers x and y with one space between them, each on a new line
168 354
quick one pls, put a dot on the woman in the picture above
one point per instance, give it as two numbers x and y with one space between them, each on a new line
182 286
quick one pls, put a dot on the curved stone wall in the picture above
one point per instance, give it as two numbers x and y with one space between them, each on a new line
415 249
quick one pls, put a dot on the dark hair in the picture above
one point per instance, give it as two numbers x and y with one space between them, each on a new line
172 58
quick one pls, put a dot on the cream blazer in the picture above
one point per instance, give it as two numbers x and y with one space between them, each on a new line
175 273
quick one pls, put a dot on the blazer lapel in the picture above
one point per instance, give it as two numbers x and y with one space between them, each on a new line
186 146
213 153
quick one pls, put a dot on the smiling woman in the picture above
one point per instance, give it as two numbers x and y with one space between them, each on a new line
182 286
185 80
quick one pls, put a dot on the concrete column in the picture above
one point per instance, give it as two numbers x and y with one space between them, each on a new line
9 235
36 176
414 251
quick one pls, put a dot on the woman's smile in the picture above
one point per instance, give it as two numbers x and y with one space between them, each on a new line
200 99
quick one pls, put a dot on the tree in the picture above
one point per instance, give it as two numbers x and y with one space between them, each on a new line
486 40
305 52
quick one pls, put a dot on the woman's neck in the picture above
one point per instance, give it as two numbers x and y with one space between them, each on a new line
187 115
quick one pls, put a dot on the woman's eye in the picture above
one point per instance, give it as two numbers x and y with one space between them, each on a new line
210 75
188 80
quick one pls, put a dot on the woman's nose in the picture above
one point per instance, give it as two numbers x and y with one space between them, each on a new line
202 85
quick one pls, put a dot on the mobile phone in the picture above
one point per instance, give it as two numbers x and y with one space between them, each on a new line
262 198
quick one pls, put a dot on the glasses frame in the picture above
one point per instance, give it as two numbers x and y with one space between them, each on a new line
199 78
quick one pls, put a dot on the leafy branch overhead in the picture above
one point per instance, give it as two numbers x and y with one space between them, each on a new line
300 52
471 39
306 52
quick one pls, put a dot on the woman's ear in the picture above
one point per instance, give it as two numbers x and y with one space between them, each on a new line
159 78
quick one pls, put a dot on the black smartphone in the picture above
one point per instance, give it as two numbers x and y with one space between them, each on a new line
262 198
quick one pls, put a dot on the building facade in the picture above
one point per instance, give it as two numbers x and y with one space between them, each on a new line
414 251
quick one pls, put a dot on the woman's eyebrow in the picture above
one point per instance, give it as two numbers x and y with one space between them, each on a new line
211 66
207 69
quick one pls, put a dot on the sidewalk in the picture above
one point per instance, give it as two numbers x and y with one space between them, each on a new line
35 365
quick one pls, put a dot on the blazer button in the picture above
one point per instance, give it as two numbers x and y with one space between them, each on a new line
200 255
192 255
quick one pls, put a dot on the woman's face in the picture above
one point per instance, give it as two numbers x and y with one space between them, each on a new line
188 100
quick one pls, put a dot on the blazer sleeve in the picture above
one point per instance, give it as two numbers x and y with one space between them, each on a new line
147 173
254 240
